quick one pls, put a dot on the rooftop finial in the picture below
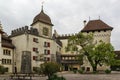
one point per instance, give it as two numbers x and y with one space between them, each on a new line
42 5
99 17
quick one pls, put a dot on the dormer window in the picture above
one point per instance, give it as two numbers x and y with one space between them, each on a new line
45 31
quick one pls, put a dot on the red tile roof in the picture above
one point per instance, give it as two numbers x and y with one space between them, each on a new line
42 17
7 42
94 25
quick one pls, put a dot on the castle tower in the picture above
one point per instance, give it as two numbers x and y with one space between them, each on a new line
100 30
43 23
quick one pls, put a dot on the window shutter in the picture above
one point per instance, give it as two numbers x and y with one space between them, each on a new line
34 57
48 59
45 51
34 49
48 51
48 44
33 39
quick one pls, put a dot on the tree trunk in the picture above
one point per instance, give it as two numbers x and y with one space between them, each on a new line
49 76
94 68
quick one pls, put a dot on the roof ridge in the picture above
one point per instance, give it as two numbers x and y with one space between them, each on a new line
94 25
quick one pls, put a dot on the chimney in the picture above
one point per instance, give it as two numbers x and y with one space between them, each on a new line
84 22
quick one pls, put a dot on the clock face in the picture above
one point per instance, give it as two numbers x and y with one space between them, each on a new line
45 31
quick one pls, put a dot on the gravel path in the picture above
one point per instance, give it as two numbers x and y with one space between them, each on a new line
71 76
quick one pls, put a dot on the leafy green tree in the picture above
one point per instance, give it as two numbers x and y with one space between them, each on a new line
49 68
100 54
116 65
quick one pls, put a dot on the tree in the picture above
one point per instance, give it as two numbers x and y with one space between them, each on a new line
100 54
49 68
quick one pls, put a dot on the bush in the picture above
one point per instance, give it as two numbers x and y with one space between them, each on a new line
2 69
80 71
49 68
75 71
95 72
35 69
107 71
55 77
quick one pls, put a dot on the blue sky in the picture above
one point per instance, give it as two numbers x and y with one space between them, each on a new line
66 15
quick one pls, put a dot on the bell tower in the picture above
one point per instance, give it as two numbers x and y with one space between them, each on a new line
43 24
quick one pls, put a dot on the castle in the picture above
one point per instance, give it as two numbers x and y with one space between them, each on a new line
28 47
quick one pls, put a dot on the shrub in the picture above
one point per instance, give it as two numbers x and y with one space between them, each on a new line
107 71
95 72
2 69
35 69
55 77
75 71
80 71
49 68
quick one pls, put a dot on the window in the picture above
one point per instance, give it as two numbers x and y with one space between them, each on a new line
34 57
45 31
6 69
46 51
46 58
46 44
88 69
98 30
9 52
6 61
35 50
6 52
104 30
35 40
3 61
